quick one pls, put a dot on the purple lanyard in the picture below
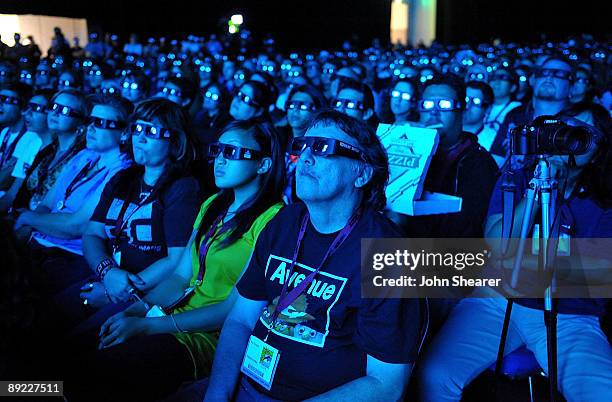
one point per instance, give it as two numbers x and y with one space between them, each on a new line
286 298
205 246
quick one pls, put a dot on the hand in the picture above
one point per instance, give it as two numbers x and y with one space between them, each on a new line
95 294
119 282
104 328
121 330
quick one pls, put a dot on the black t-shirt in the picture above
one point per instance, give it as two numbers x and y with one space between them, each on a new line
166 221
326 334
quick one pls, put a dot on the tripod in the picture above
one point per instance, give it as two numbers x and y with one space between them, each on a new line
542 189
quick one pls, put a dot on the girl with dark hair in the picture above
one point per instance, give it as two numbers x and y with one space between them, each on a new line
144 214
175 325
252 101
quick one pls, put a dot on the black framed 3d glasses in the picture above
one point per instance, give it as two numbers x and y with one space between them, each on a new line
322 146
233 152
149 130
105 124
65 111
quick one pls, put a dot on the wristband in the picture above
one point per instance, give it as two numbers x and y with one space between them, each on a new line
103 267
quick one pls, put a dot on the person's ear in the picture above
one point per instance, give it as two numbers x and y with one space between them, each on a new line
367 114
264 166
364 176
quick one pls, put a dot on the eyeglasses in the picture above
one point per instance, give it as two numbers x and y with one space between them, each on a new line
267 68
348 104
328 71
4 73
35 107
40 72
130 85
65 111
476 77
233 152
444 105
94 72
25 76
149 130
239 76
9 100
172 92
299 105
321 146
584 81
478 102
553 72
109 91
212 96
66 83
105 124
206 69
293 73
247 99
500 77
401 95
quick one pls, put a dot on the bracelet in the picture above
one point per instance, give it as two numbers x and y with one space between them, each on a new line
175 324
103 267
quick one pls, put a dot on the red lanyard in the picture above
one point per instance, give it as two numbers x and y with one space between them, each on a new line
286 298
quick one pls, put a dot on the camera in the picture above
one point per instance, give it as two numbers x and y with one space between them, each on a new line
548 135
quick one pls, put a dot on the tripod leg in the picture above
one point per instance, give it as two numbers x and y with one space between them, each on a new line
502 345
550 319
525 227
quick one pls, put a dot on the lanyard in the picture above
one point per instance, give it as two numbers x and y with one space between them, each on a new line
494 120
81 178
120 223
205 246
5 149
286 298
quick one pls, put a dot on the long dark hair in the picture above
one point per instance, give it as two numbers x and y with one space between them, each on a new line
269 194
171 116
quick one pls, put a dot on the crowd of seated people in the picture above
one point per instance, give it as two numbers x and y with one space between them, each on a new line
183 219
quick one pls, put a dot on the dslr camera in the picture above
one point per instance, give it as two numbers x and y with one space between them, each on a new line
548 135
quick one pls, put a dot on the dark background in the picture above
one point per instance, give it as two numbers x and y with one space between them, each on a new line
326 23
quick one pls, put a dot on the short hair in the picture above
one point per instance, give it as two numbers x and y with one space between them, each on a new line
119 103
487 91
368 96
452 81
374 153
317 97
